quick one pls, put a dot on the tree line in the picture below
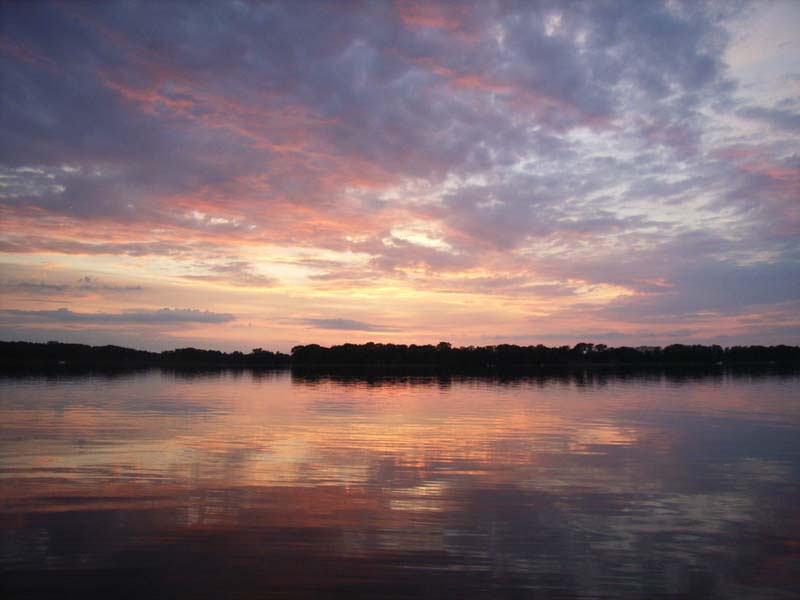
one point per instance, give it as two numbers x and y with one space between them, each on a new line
440 356
510 355
21 354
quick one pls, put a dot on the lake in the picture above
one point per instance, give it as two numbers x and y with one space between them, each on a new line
246 484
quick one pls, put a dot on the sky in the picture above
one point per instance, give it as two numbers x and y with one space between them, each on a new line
237 174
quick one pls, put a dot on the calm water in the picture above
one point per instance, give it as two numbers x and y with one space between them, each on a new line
246 485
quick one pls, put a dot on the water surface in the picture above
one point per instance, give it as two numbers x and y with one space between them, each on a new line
243 484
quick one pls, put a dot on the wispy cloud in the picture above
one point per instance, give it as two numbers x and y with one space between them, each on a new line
144 317
83 285
346 325
236 273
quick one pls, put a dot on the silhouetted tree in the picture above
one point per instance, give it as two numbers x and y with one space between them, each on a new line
441 356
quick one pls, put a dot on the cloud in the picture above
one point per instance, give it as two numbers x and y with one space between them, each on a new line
356 110
83 284
237 273
781 118
346 325
550 149
20 244
720 288
92 284
35 287
141 316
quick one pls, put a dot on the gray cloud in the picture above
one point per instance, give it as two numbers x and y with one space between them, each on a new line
22 244
722 288
84 284
781 118
346 325
34 287
143 317
360 73
92 284
237 272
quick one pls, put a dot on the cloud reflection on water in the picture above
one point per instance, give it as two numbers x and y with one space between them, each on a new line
573 486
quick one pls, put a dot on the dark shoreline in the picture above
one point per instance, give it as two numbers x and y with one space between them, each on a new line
369 359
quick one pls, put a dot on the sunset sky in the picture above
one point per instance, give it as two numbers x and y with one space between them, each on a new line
242 174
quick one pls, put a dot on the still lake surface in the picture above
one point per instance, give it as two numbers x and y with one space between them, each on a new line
245 484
